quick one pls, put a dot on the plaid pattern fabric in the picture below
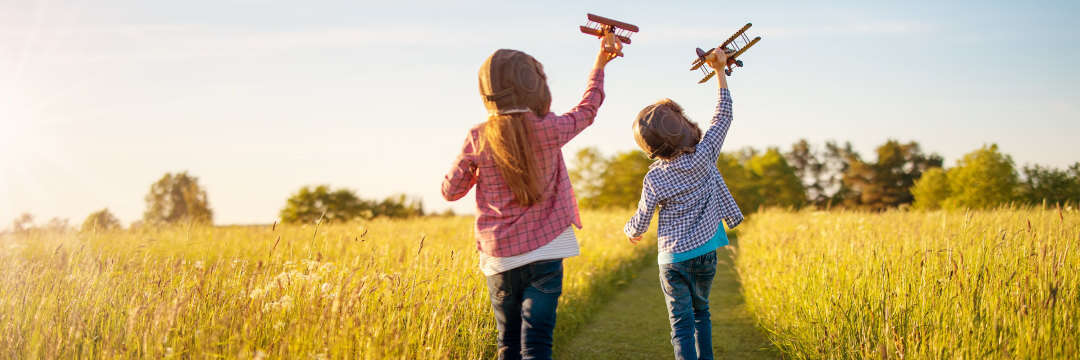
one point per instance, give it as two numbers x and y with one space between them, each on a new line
504 227
690 192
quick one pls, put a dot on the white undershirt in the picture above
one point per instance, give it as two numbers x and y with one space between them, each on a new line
565 245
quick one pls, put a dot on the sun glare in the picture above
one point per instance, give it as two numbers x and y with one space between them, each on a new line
10 132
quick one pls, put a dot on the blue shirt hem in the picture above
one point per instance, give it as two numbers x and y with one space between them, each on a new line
715 242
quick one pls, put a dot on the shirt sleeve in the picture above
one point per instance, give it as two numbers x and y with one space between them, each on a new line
639 223
462 176
568 125
709 147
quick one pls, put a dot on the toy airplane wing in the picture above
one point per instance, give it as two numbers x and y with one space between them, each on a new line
600 26
734 46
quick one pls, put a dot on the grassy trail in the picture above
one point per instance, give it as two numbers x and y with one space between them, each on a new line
634 325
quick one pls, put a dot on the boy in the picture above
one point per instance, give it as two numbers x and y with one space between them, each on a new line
693 199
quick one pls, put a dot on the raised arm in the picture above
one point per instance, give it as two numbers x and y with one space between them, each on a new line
570 124
462 176
639 223
709 147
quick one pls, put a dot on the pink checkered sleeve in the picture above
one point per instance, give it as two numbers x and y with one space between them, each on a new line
462 176
568 125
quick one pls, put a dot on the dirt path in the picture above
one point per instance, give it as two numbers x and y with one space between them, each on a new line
634 325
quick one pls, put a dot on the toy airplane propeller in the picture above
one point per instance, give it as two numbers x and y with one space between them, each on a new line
600 27
734 46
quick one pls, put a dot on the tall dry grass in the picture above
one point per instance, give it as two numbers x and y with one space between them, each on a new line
406 289
916 285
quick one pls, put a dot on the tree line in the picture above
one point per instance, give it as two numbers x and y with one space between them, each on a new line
834 175
180 199
830 176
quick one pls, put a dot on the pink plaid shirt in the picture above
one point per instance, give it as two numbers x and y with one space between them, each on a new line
504 227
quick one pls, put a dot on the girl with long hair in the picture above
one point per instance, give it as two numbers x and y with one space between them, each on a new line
525 207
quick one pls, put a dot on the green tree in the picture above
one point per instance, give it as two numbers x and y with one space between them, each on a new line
740 181
399 206
586 173
836 160
1051 185
610 183
310 203
100 220
931 190
810 169
983 178
177 198
887 182
754 178
760 179
777 182
623 178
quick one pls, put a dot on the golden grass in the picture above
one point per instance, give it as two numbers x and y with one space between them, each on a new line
936 285
407 289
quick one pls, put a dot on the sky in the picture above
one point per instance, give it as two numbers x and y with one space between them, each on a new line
99 99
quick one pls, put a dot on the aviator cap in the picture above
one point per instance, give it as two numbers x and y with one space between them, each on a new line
662 130
512 82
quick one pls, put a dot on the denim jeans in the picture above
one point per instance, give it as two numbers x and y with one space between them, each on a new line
686 290
524 300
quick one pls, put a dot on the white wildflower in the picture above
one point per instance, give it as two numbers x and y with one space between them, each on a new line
286 302
199 265
256 293
326 267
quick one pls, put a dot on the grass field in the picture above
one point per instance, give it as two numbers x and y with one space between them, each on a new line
914 285
384 289
834 285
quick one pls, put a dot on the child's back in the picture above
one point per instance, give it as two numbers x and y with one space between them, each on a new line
525 205
693 199
690 191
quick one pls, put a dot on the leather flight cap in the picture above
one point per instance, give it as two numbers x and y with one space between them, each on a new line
661 130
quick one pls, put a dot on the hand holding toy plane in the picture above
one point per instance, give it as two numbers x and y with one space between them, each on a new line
734 46
614 32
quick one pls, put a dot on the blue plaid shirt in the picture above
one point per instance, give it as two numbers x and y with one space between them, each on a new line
692 195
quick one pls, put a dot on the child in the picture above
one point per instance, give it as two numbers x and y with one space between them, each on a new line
693 199
524 203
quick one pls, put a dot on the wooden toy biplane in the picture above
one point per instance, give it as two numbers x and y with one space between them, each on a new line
600 27
734 46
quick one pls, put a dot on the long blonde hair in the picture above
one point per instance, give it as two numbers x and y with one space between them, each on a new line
511 142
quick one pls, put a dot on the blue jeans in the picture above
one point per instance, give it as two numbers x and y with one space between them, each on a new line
524 300
686 290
